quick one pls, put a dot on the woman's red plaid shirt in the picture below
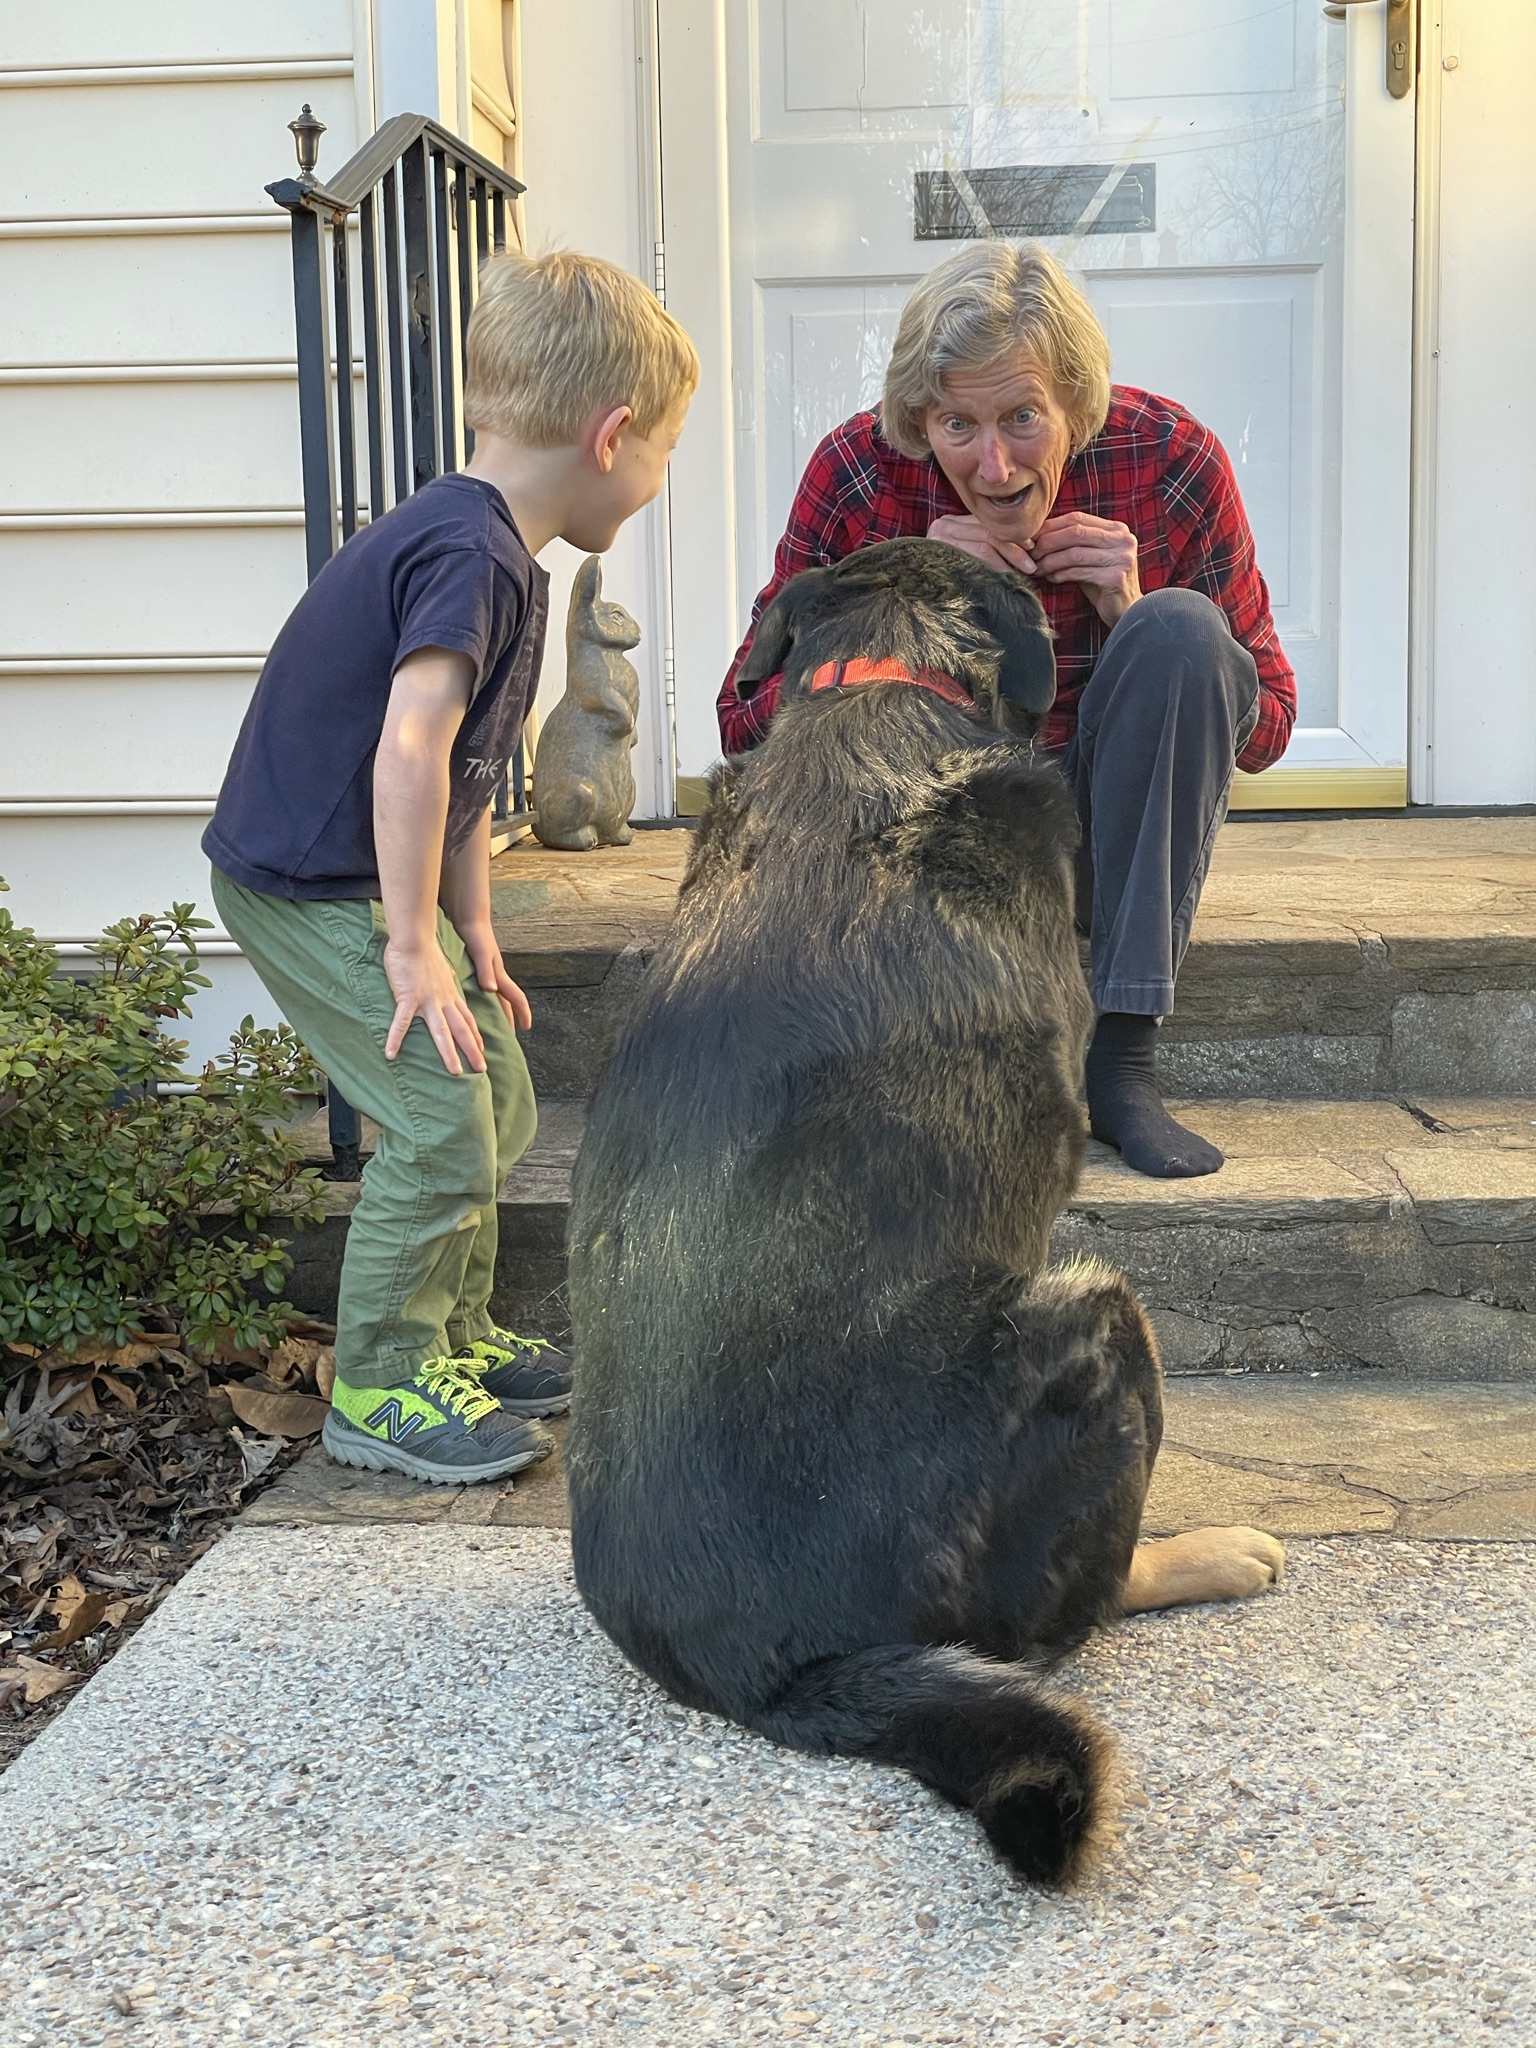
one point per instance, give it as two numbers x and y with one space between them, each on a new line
1152 467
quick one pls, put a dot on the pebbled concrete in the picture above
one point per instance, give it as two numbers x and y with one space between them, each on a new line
367 1785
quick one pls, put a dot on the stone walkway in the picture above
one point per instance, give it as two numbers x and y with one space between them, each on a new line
1330 958
1385 1234
1314 1458
1297 1456
1275 885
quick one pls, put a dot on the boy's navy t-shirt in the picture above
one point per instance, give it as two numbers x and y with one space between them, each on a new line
446 568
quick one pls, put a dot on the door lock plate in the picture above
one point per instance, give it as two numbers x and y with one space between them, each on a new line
1402 47
1402 40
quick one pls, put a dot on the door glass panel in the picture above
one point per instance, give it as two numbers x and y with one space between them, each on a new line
1185 157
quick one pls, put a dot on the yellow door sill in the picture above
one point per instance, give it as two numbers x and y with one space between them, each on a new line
1277 789
1321 789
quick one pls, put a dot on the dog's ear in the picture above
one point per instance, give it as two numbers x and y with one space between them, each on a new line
771 643
774 639
1026 676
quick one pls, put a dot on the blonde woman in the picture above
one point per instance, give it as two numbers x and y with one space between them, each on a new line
1000 433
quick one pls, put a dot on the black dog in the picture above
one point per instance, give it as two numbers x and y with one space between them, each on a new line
846 1463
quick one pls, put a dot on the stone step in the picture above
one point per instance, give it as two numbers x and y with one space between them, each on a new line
1339 1236
1334 959
1299 1457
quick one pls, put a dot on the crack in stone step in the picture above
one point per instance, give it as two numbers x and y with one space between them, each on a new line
1346 1481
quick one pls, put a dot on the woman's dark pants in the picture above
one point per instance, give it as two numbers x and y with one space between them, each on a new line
1168 709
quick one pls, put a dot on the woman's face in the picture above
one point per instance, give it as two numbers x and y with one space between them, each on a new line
1002 439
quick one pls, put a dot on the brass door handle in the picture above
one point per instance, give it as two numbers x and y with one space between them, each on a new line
1402 40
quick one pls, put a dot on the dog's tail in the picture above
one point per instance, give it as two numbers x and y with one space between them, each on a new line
1035 1770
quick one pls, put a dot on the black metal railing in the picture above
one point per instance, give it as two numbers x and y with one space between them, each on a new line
391 249
429 211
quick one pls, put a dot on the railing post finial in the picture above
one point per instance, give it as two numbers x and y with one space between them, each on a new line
306 132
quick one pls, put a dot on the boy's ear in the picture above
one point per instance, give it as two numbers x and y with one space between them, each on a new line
771 643
605 436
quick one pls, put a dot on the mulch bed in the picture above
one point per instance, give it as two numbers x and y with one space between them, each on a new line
119 1468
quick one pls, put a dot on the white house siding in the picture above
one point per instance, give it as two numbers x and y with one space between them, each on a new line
151 536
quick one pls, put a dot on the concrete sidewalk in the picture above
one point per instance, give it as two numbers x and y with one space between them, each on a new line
371 1775
363 1785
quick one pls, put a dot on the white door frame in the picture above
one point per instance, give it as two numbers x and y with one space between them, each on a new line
1426 378
1376 468
660 729
691 42
1474 641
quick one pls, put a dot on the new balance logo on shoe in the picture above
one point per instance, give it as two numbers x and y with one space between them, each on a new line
443 1427
397 1425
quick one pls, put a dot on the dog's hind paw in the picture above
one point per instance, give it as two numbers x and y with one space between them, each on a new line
1202 1564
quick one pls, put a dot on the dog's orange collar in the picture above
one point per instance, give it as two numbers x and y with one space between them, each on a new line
836 675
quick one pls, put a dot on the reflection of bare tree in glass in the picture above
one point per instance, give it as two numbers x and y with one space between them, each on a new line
842 381
874 353
1273 194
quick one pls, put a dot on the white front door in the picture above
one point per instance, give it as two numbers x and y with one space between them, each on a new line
1233 182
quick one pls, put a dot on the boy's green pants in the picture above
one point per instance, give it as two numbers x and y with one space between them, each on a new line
421 1248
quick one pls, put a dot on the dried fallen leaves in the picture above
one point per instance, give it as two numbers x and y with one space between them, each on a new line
119 1467
278 1414
36 1680
77 1613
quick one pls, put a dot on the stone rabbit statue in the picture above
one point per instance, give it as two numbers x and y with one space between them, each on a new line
583 786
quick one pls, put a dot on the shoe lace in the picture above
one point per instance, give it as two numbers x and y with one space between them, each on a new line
508 1340
459 1391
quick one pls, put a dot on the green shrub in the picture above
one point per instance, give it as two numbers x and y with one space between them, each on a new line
106 1184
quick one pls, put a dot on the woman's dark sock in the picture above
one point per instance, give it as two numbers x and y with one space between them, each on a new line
1125 1104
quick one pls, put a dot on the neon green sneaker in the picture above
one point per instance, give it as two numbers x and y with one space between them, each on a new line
527 1375
441 1426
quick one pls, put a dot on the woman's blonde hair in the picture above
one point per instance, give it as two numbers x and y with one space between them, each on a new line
984 301
556 338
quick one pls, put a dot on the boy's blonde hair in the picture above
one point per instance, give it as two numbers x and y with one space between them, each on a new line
556 338
974 308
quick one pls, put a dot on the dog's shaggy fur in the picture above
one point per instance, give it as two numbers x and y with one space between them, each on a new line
847 1464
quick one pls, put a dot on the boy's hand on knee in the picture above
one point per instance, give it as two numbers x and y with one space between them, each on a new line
424 985
491 973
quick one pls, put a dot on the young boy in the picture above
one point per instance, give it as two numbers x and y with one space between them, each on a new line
351 844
